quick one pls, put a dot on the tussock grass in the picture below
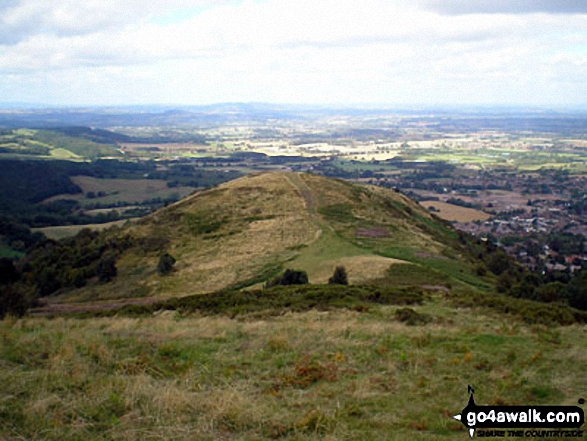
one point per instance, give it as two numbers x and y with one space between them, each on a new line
338 374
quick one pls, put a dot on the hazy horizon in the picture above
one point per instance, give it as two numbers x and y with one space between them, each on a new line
333 107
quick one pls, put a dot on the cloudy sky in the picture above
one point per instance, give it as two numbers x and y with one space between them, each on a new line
379 52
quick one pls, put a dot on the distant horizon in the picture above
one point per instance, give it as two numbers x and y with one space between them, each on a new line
23 106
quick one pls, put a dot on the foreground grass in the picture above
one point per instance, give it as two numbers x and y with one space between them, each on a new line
338 374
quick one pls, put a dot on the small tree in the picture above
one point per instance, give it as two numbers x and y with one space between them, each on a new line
107 268
14 300
8 273
339 277
290 277
165 265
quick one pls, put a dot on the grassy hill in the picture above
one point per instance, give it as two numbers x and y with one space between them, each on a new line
58 144
388 357
245 232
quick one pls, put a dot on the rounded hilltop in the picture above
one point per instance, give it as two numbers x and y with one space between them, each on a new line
245 232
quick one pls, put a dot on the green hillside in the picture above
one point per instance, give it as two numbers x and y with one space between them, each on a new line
58 144
205 352
245 232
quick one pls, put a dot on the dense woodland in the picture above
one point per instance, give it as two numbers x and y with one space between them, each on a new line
24 185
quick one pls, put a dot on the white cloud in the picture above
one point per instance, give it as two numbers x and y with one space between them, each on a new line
305 51
507 6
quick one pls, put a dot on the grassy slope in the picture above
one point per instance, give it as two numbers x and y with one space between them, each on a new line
276 374
304 376
76 146
61 232
55 144
247 230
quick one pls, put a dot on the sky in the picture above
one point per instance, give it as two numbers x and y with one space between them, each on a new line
323 52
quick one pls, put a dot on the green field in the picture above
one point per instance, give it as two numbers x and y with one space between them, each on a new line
54 144
123 190
61 232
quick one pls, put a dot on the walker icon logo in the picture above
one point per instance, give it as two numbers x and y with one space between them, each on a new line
522 417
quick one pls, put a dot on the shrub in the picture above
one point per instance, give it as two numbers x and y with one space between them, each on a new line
14 300
290 277
165 265
550 292
107 268
8 273
576 291
411 317
339 277
480 270
498 262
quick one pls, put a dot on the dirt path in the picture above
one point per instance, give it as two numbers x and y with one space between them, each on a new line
307 194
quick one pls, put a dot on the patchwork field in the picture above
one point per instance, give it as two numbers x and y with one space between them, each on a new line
166 149
123 190
453 212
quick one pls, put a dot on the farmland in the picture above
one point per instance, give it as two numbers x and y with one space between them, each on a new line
63 231
114 191
452 212
482 163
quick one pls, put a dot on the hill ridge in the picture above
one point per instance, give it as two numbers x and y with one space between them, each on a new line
244 232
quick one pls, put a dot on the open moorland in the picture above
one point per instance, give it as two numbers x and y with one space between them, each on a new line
246 231
338 374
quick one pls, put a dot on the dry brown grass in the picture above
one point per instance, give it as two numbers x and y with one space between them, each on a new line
360 269
262 224
451 212
305 376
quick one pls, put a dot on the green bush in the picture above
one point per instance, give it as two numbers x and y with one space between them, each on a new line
289 277
165 265
14 300
107 268
529 311
276 300
576 291
411 317
339 277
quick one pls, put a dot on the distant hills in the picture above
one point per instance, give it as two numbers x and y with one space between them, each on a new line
197 117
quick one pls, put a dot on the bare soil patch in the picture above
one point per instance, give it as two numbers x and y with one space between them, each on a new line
373 233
